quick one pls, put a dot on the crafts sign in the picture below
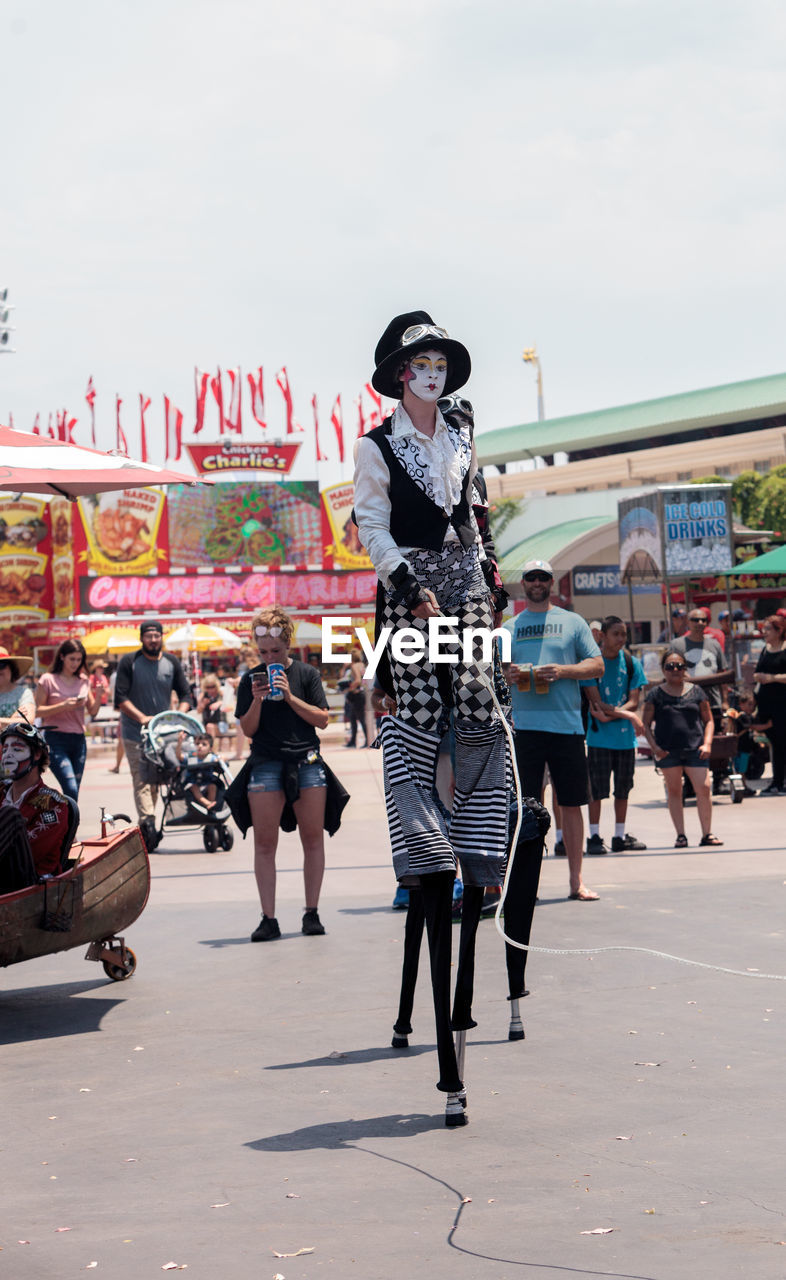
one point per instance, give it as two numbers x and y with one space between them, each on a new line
225 456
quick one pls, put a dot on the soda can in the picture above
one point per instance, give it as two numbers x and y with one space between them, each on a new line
275 694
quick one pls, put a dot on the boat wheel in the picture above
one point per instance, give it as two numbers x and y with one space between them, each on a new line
118 972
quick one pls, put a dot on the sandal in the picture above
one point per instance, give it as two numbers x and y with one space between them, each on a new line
682 842
710 839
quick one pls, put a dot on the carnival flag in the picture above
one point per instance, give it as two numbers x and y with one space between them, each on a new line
173 428
144 405
90 397
338 426
122 443
282 381
361 418
374 395
200 386
65 427
37 425
235 414
256 383
321 457
218 394
50 430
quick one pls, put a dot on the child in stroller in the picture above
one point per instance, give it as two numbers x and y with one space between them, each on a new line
193 780
192 753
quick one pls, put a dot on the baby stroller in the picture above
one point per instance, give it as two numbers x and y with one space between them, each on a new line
175 778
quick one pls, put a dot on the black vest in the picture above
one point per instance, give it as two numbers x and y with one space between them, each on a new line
416 521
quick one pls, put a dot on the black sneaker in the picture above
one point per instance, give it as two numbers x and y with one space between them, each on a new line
619 844
267 930
595 845
312 924
559 849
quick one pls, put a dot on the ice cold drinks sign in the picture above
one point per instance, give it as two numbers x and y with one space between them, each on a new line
698 533
690 520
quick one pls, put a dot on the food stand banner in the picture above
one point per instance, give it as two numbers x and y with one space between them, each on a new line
25 570
123 531
200 593
342 544
250 524
676 533
225 456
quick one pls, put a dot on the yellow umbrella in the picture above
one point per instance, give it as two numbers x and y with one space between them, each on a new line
202 637
110 639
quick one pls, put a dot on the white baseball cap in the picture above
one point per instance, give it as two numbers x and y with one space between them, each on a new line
537 566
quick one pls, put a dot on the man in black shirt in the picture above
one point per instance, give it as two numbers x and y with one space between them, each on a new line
144 686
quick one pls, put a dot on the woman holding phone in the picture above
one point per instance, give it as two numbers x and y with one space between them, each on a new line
280 706
62 696
679 728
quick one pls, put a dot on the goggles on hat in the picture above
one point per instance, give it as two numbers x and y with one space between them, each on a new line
455 404
417 331
275 632
22 729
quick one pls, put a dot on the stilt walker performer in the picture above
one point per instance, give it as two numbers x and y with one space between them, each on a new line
413 485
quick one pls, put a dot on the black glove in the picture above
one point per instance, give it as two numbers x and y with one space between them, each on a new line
406 588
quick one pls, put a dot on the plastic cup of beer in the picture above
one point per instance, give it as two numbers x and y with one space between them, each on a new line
541 683
523 678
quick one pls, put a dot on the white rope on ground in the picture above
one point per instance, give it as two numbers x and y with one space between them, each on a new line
586 951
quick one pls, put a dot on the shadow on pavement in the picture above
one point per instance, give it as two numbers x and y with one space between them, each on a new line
44 1013
336 1135
353 1056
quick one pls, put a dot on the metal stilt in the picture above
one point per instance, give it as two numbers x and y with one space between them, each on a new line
516 1028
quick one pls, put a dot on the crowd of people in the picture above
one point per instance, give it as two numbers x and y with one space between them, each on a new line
577 700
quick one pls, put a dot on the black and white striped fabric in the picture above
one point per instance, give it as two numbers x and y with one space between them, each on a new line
418 835
479 822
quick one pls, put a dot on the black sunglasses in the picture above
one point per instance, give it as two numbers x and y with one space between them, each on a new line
675 666
537 577
703 621
4 663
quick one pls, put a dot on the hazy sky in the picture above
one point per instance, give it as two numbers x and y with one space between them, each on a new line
266 183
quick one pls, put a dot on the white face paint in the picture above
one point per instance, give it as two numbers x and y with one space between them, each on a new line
425 375
15 752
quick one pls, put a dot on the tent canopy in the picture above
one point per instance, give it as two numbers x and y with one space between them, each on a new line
771 562
36 464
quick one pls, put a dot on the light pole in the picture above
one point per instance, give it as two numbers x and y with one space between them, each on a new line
530 356
5 328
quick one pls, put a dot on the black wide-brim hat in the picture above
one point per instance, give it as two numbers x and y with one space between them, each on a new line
406 335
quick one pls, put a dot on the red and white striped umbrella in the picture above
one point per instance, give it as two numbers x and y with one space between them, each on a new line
35 464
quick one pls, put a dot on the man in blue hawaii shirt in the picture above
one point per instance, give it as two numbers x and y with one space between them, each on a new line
553 651
611 736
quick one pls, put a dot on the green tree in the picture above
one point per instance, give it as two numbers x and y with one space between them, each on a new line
769 511
502 512
745 495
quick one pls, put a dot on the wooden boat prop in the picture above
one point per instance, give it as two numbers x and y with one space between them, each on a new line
104 890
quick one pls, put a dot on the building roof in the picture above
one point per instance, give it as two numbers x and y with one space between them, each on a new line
751 400
546 544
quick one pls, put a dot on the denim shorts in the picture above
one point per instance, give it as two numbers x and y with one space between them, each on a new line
270 775
683 756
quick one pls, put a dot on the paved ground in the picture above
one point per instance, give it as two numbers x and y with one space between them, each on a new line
234 1103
